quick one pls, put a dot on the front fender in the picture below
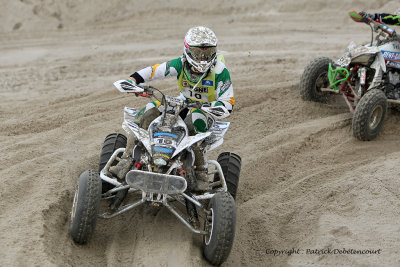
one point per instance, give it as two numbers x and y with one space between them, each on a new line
141 134
379 62
189 141
380 67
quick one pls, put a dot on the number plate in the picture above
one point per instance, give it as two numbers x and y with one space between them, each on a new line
344 60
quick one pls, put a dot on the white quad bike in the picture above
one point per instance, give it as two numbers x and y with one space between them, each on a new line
367 76
162 173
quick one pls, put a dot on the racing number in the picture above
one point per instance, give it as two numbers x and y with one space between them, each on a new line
196 95
164 141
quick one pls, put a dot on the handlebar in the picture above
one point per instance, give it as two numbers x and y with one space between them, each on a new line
177 103
384 28
173 101
357 17
219 112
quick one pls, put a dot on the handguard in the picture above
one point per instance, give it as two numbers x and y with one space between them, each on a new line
218 112
126 87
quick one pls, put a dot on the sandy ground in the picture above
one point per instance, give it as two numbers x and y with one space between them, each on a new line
306 183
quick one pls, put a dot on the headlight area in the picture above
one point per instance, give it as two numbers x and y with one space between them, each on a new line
159 162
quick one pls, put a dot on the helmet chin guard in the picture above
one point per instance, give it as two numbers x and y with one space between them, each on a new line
200 48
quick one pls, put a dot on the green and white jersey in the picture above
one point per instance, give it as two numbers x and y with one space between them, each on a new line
216 88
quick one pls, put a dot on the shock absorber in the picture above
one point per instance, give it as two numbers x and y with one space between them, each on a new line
362 75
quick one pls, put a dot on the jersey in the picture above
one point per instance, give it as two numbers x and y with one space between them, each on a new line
387 18
216 88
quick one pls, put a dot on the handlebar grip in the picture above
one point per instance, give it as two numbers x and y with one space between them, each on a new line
386 29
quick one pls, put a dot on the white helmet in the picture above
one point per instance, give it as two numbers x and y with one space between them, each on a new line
200 48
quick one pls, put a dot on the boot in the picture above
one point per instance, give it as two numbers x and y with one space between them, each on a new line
126 162
148 117
200 169
122 168
202 183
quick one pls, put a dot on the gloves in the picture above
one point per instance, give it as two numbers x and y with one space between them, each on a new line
367 17
131 80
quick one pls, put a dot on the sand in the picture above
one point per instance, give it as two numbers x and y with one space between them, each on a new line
306 182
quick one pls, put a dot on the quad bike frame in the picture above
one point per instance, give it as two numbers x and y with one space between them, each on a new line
162 198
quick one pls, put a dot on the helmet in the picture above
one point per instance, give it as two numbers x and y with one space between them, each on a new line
200 48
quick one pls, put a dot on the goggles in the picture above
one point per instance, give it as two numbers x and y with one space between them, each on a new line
205 53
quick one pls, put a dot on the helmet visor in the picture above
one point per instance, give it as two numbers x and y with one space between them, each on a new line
205 53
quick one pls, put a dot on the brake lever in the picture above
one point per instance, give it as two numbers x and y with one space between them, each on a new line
146 93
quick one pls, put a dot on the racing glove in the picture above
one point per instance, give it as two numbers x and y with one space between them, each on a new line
367 17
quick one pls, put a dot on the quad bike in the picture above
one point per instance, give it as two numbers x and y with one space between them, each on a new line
161 172
367 76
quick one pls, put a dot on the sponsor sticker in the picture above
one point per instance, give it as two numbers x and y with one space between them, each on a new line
201 89
207 83
162 155
391 55
165 134
163 149
393 64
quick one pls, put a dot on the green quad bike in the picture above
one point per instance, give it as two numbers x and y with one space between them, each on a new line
367 76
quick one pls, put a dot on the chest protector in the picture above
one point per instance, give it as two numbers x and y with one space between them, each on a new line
204 91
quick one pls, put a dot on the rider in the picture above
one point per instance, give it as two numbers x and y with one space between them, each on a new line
391 19
202 77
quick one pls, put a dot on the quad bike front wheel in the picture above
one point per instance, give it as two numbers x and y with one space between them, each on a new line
230 164
369 115
85 206
220 225
111 143
315 77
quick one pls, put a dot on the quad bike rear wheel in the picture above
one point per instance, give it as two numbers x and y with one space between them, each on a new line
369 115
111 143
230 164
220 225
85 206
315 77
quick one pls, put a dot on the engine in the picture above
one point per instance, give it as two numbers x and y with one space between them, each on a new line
392 84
